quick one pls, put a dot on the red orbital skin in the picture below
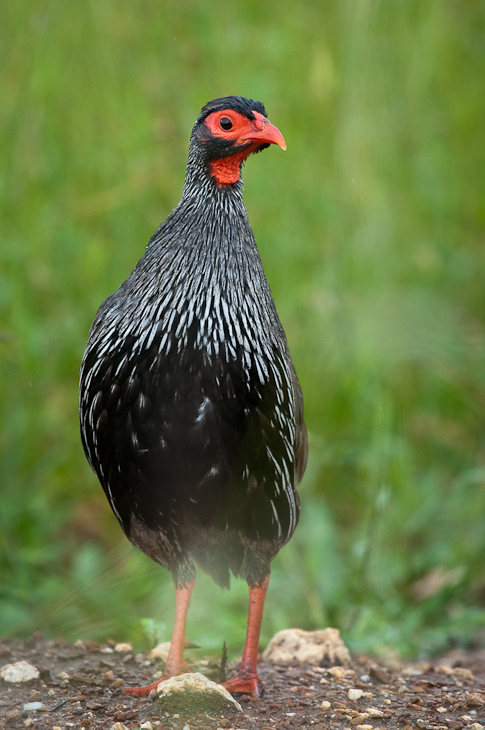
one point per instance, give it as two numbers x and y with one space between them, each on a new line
259 130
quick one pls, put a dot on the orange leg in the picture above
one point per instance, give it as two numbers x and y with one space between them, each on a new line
175 660
247 680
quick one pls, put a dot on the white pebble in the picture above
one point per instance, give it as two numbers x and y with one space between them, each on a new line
33 706
146 725
123 647
355 694
326 705
19 672
374 712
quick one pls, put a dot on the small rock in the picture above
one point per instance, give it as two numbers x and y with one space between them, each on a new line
160 651
463 673
19 672
307 647
358 719
146 725
107 650
374 712
123 648
193 693
475 726
441 710
381 674
443 669
108 676
355 694
365 727
475 699
12 716
412 671
91 645
32 706
118 726
337 672
63 675
365 678
326 705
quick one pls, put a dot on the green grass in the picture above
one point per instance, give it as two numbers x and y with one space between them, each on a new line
371 230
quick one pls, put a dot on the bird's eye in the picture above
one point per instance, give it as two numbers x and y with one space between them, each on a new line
225 124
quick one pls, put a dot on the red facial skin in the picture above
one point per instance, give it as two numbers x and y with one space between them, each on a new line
258 131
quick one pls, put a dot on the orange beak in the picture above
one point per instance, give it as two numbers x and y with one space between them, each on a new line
265 132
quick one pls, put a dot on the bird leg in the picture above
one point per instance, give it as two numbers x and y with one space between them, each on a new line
175 661
247 680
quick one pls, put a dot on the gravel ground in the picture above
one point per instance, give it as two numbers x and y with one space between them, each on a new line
80 686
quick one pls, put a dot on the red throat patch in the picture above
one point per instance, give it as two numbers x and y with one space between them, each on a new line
228 170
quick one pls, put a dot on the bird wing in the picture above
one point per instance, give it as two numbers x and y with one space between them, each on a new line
301 449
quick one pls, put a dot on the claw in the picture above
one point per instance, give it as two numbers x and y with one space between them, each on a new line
247 684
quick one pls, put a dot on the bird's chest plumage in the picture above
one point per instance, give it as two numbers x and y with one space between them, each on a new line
188 408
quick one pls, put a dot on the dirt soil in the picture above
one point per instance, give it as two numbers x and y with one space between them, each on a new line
80 686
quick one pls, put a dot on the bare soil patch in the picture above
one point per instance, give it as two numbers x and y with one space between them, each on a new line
80 686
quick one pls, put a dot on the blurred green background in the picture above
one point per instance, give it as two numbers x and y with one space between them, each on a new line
371 230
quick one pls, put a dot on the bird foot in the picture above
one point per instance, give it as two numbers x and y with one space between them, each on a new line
142 691
247 684
145 691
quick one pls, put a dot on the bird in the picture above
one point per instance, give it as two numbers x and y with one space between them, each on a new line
190 407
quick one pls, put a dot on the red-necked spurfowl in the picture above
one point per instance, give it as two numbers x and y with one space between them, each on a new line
191 411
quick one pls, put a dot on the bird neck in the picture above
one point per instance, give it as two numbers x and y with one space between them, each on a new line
217 179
